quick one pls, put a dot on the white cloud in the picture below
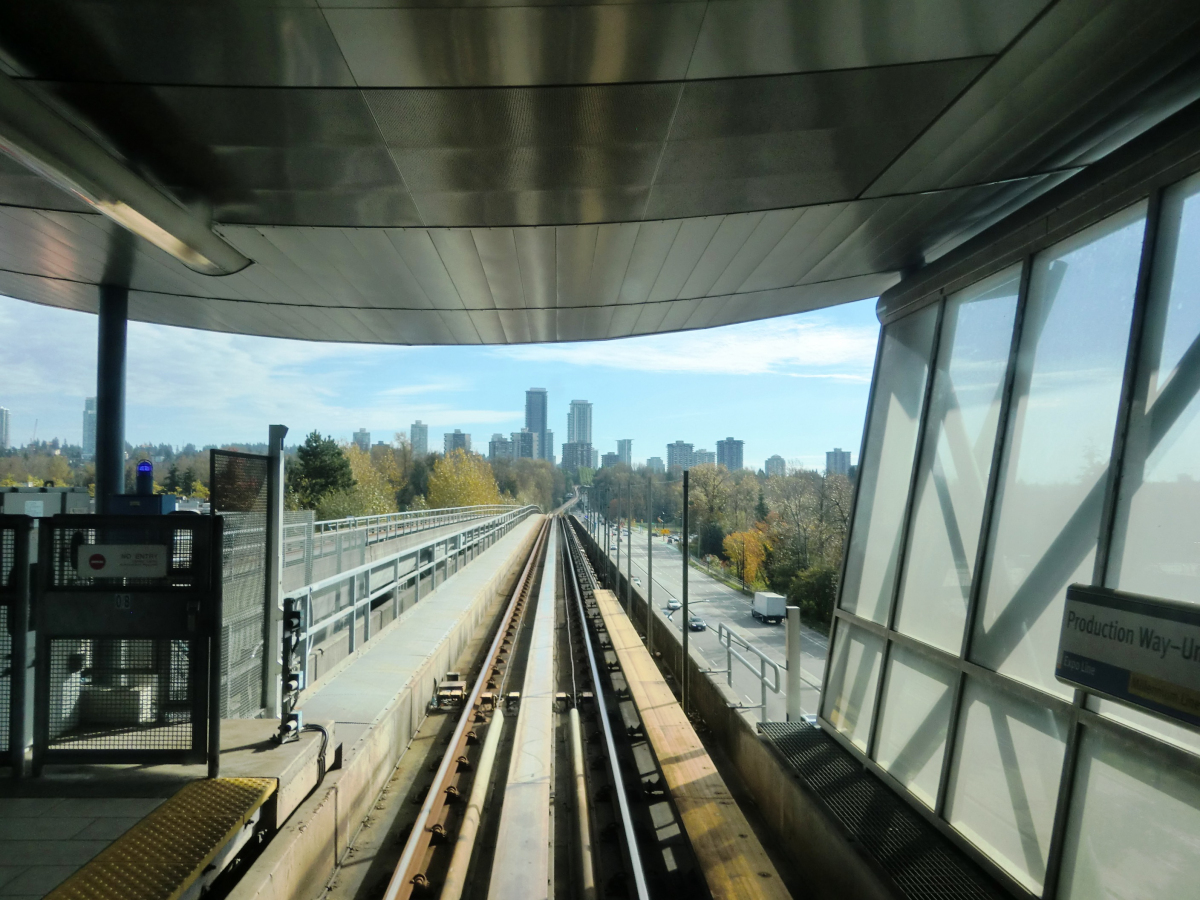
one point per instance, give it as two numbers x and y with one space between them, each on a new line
787 345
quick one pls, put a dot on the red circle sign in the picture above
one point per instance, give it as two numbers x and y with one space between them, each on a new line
97 560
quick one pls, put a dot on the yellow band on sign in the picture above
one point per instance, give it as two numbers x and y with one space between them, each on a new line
1173 695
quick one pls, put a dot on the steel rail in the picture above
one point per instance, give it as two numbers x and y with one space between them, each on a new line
635 857
403 880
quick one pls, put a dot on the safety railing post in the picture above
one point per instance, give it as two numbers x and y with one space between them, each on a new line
794 712
353 612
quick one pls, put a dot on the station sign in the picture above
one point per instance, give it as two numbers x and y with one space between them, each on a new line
122 561
1142 651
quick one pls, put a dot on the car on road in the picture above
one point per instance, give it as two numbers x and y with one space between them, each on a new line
695 623
637 582
673 604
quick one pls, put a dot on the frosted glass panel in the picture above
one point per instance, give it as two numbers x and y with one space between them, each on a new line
1156 539
1134 829
1065 397
886 466
1004 783
960 437
849 701
913 722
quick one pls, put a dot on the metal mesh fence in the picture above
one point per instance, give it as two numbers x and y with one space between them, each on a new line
8 562
6 673
120 694
8 556
239 494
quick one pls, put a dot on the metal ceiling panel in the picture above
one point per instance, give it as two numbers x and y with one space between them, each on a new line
1057 80
872 135
507 208
622 321
497 251
419 254
756 143
614 252
536 257
523 45
650 249
575 249
173 43
516 326
653 316
790 260
729 239
769 36
461 259
526 156
768 232
610 115
21 187
690 244
380 259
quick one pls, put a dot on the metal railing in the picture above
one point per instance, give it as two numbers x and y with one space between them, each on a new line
733 643
337 543
343 602
386 526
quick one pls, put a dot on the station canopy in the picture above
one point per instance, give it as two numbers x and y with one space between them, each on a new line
440 172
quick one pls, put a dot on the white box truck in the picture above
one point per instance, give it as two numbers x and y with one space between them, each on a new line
769 607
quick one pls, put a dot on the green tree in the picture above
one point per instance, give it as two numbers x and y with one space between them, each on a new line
814 590
320 469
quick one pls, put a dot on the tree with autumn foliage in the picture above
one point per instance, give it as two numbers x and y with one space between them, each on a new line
462 479
746 550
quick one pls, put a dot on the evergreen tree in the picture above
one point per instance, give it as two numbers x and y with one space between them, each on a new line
320 469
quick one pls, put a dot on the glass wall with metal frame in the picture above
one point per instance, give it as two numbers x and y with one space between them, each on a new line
1036 429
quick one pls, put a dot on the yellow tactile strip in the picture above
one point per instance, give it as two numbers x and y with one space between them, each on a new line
160 856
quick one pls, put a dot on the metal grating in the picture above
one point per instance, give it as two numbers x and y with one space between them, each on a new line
239 494
6 671
120 694
8 555
923 864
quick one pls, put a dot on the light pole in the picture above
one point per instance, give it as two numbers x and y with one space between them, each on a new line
683 675
629 546
617 579
649 558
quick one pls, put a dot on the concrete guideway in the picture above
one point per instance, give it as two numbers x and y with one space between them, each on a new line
377 702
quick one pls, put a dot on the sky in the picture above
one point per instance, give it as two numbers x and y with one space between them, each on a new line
794 386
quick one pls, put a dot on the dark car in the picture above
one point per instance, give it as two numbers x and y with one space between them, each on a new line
695 623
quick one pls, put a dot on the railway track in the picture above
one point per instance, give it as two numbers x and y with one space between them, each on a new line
544 781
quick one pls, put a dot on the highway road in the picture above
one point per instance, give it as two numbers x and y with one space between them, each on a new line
717 603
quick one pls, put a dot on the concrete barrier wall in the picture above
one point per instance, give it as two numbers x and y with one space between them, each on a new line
298 861
833 865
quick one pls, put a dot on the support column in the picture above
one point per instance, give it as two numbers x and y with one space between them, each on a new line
110 394
273 670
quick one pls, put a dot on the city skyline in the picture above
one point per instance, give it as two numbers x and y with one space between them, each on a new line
701 386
